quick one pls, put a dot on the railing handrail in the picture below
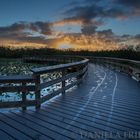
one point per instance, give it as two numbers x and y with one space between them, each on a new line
41 70
120 59
131 67
115 58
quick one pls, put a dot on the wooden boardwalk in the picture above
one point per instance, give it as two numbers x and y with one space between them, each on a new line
106 101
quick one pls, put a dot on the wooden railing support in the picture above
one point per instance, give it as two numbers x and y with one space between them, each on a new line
37 91
63 82
24 96
79 77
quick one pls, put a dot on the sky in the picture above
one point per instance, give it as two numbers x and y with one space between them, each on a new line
35 22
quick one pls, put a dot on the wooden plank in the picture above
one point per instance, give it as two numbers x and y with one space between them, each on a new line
83 116
55 120
101 108
19 121
70 118
48 125
71 105
76 126
12 130
5 136
16 104
71 111
23 129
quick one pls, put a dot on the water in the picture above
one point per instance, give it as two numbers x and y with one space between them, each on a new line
16 66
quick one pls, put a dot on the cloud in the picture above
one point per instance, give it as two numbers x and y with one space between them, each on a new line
137 37
132 6
131 3
77 21
88 29
88 11
25 32
84 13
89 14
107 33
41 27
71 21
22 27
12 30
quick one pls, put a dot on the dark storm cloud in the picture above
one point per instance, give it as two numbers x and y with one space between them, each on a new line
13 31
107 33
24 32
84 13
104 34
41 27
131 3
89 10
89 14
21 27
16 27
88 29
31 39
133 6
116 13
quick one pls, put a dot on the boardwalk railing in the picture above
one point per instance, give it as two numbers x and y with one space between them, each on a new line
130 67
72 67
24 84
53 59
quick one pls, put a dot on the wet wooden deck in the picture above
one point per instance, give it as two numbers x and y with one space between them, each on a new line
106 101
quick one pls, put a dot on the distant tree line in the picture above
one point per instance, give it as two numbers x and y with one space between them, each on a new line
6 52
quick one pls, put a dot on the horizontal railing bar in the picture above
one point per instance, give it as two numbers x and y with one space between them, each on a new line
16 79
72 84
130 67
49 83
49 96
55 57
119 63
55 93
58 67
116 59
17 88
